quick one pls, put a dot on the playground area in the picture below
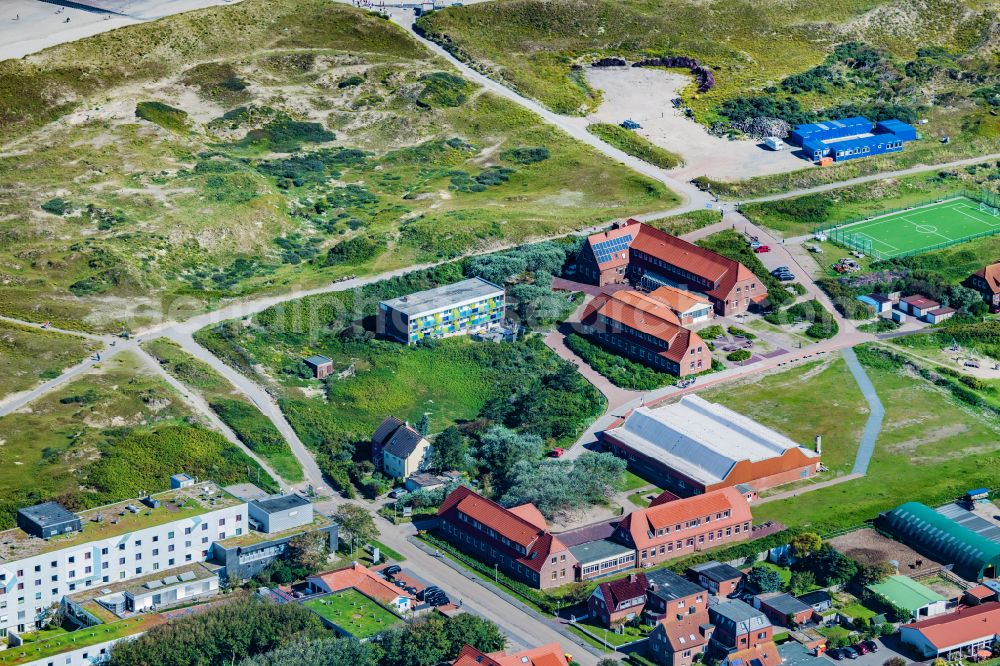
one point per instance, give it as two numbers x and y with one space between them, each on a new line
920 229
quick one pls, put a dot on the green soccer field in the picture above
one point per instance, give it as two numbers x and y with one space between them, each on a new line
919 229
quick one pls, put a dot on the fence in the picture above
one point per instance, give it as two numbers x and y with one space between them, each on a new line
838 232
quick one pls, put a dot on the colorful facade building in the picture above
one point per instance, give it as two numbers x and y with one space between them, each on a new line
469 306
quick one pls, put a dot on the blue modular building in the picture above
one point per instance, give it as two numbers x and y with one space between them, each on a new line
852 138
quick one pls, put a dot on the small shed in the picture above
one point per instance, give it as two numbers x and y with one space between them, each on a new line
904 592
939 315
782 609
820 600
181 481
876 302
321 366
918 305
899 316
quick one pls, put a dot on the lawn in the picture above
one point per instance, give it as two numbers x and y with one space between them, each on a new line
918 230
632 482
354 613
275 165
784 572
787 401
106 436
29 356
931 449
235 409
857 611
628 633
81 638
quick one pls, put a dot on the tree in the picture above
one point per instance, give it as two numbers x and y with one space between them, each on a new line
435 639
764 579
894 661
805 544
424 425
307 553
501 448
830 567
556 485
801 582
449 451
873 573
356 523
609 662
325 652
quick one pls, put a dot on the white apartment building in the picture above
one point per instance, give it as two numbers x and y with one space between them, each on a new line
117 542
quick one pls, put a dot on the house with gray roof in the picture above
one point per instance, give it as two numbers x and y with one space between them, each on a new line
399 450
739 625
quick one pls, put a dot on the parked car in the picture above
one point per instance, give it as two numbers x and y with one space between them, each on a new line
396 493
429 590
871 645
392 570
861 648
850 653
780 269
754 245
786 277
557 452
440 600
836 654
762 249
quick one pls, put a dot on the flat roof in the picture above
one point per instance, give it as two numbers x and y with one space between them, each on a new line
184 574
176 504
701 439
783 602
281 503
671 586
717 571
447 296
253 537
906 593
594 551
47 514
81 638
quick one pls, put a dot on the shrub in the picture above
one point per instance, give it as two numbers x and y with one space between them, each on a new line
57 206
163 115
443 89
526 155
351 81
823 324
355 251
629 142
739 355
285 135
734 330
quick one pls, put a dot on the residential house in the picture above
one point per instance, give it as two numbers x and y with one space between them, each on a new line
515 540
679 643
398 450
720 579
739 626
695 446
820 600
366 582
672 598
783 610
321 366
987 282
763 654
645 329
546 655
685 526
638 252
967 630
619 601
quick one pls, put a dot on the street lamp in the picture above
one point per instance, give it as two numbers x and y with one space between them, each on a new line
496 574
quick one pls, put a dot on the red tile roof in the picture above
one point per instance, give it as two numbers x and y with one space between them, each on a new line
642 522
721 271
663 498
538 542
545 655
920 302
961 627
991 274
616 591
530 513
764 654
980 592
678 300
362 580
642 313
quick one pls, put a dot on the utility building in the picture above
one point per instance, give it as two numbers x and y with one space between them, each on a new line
852 138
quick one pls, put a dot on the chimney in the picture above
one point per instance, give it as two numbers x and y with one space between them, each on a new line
632 578
819 444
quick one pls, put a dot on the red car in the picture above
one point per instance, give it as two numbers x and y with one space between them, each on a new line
861 648
762 248
557 452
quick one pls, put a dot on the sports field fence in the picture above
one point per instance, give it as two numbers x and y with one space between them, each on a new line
840 234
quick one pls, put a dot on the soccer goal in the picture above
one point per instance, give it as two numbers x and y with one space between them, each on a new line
990 210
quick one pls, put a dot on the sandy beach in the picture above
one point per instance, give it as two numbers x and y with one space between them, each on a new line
28 26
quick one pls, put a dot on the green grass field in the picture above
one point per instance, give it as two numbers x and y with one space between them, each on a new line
918 230
353 612
29 356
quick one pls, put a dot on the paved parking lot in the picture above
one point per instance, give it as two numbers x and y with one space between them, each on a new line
794 654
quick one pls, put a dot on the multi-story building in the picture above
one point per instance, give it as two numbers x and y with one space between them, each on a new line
641 254
720 579
647 330
545 655
738 626
685 526
398 450
117 542
468 306
616 601
987 282
672 598
515 540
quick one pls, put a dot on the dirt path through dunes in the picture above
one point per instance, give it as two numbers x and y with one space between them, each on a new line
643 95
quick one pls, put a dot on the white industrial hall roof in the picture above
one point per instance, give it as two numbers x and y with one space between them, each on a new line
700 439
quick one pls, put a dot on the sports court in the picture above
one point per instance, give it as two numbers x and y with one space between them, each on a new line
919 229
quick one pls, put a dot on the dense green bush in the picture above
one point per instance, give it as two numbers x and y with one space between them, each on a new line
443 89
355 251
629 142
619 370
284 135
738 356
812 208
822 325
525 155
351 81
57 206
163 115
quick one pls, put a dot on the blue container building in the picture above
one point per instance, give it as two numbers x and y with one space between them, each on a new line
852 138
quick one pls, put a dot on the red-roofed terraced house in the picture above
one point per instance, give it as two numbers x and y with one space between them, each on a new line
546 655
616 601
686 526
634 251
967 630
646 329
516 540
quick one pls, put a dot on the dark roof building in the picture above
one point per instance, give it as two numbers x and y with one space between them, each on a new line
669 586
819 601
718 578
47 520
974 556
783 609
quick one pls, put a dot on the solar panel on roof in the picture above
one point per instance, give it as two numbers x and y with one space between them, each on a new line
153 584
187 575
170 580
